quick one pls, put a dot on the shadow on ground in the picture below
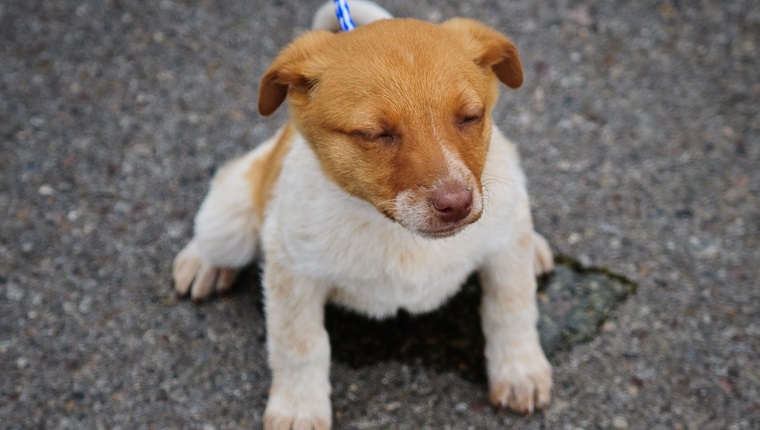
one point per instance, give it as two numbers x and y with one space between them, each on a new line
573 302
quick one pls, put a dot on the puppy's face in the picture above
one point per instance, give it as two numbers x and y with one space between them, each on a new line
398 113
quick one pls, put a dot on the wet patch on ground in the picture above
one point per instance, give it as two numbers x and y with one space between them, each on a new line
573 302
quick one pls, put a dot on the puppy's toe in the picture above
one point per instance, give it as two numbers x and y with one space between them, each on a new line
195 277
225 279
204 284
543 261
297 408
310 424
524 387
277 422
185 267
521 397
273 421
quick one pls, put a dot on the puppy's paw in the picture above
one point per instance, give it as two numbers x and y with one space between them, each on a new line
522 385
304 413
194 276
543 261
287 422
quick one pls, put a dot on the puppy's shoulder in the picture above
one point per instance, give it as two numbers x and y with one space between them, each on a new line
265 166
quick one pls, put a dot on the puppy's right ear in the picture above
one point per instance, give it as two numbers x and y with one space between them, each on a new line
294 72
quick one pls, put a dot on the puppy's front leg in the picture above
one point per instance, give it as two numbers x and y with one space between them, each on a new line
299 352
519 374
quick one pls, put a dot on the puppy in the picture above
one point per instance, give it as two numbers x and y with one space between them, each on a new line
387 188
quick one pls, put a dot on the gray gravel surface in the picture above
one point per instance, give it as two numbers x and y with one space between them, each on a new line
639 126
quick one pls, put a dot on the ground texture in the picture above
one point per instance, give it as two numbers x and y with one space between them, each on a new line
639 127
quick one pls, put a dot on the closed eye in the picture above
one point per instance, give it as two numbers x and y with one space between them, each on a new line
385 136
465 121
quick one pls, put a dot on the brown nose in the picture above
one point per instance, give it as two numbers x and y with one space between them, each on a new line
451 202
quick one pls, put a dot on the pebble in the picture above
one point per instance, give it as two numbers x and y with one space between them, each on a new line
619 423
392 406
13 292
45 190
22 362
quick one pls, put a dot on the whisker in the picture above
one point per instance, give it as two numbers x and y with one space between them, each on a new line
488 183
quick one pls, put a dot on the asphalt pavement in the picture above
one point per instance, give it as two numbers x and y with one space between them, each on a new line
639 128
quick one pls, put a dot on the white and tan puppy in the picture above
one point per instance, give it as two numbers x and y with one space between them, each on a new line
389 186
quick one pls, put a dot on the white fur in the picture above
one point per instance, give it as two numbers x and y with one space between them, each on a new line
375 265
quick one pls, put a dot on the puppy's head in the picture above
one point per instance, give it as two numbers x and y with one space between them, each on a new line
398 113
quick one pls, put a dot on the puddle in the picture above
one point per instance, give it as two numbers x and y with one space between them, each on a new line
573 303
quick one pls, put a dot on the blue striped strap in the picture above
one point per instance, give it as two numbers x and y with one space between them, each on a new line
344 15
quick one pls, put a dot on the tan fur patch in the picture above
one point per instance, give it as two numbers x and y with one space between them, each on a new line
265 170
379 125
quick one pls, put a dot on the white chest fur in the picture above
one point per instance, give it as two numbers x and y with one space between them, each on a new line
373 264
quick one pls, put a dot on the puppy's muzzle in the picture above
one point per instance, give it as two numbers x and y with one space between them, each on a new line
451 202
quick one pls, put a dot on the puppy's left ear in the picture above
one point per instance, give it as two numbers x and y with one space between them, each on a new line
490 49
